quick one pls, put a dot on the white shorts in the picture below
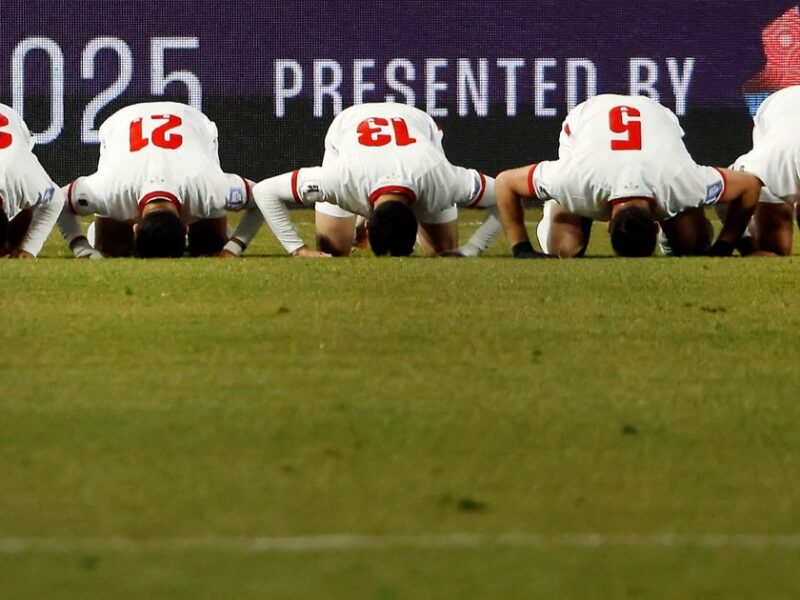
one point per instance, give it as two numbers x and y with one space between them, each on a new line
543 228
768 197
443 216
332 210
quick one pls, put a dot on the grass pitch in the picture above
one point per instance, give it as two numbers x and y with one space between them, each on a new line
485 428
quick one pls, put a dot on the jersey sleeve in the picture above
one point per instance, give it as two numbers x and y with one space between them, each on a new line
315 184
82 197
544 179
696 186
236 193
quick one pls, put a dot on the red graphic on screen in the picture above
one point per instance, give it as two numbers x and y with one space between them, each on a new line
781 39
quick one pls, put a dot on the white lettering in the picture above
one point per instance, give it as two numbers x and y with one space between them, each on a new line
359 84
90 135
510 65
680 82
282 92
392 82
56 58
160 79
469 86
323 88
543 86
432 86
643 84
574 65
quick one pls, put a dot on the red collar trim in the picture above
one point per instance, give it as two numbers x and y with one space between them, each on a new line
393 189
147 198
650 201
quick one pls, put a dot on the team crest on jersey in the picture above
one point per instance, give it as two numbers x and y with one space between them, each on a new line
310 192
713 192
236 199
44 198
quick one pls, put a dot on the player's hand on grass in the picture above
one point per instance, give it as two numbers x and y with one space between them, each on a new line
721 248
306 252
89 253
467 250
81 248
526 250
227 254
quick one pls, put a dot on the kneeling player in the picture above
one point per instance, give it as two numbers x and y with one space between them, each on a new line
622 160
29 199
159 179
385 162
775 160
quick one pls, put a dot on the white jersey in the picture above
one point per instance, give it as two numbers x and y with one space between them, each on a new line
374 149
775 157
23 181
613 147
158 150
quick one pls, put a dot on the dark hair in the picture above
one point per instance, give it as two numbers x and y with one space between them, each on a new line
392 229
633 231
3 228
160 235
205 242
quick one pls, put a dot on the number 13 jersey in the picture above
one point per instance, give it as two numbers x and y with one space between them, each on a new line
613 147
380 148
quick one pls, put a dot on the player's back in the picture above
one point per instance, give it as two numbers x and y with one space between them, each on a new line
22 177
158 136
382 132
614 130
779 114
15 138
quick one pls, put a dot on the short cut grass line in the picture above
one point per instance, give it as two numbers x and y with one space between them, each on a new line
347 542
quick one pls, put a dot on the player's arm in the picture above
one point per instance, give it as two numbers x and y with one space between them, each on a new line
741 194
247 229
510 188
271 197
72 232
42 222
485 235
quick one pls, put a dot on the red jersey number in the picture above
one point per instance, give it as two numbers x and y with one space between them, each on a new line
161 135
625 119
375 131
5 137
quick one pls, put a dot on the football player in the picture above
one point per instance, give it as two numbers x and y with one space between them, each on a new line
385 162
29 200
158 180
775 160
622 160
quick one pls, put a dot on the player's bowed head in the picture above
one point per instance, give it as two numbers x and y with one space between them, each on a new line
633 228
160 233
392 226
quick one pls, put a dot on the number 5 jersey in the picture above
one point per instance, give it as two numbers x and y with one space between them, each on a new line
613 147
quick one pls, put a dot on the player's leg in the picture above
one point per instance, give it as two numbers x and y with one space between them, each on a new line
113 238
17 228
438 232
208 236
562 233
335 229
689 233
773 228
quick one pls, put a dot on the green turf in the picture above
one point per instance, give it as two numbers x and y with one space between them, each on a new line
204 399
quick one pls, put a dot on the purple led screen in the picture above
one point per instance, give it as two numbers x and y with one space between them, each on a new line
497 76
